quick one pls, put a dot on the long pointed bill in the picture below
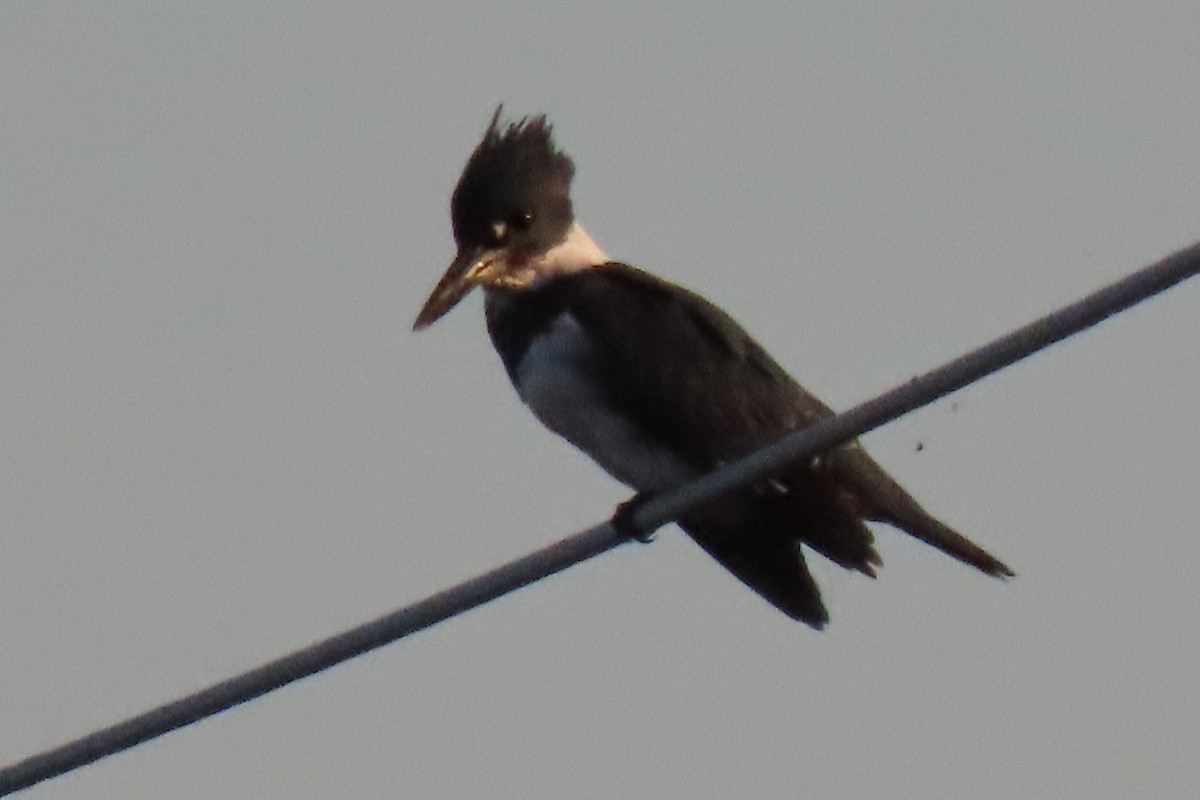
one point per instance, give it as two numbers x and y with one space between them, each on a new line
460 278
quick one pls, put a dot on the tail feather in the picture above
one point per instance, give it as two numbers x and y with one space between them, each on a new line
816 518
757 533
917 522
883 500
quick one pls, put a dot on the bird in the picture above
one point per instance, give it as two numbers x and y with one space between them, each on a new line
658 385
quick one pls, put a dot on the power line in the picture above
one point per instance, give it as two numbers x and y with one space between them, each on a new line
647 517
920 391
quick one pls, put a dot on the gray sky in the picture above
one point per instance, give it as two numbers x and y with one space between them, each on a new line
219 440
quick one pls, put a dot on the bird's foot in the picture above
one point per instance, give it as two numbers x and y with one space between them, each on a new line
622 519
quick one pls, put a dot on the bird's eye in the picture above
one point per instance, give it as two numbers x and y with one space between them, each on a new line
521 221
499 231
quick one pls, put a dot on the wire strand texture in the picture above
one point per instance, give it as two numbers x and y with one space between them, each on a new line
648 517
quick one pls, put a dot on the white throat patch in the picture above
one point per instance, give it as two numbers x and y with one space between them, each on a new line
577 251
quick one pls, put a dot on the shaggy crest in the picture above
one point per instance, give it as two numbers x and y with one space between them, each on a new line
514 168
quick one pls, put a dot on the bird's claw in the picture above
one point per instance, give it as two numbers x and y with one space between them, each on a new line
623 522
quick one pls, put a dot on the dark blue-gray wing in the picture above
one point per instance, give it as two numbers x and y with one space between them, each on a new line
683 366
699 384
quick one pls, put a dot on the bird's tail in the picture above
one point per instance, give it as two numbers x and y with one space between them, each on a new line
884 500
917 522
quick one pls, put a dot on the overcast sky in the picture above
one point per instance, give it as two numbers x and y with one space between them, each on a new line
219 440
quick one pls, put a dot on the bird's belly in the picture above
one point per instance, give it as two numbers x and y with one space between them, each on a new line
555 381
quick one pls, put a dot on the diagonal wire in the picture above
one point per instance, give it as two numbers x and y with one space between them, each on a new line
922 390
647 517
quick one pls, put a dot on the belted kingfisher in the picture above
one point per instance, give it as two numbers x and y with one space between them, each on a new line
658 385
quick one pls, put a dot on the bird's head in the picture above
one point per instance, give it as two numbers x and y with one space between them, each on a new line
512 217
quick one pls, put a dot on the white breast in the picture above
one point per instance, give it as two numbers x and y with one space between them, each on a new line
553 380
